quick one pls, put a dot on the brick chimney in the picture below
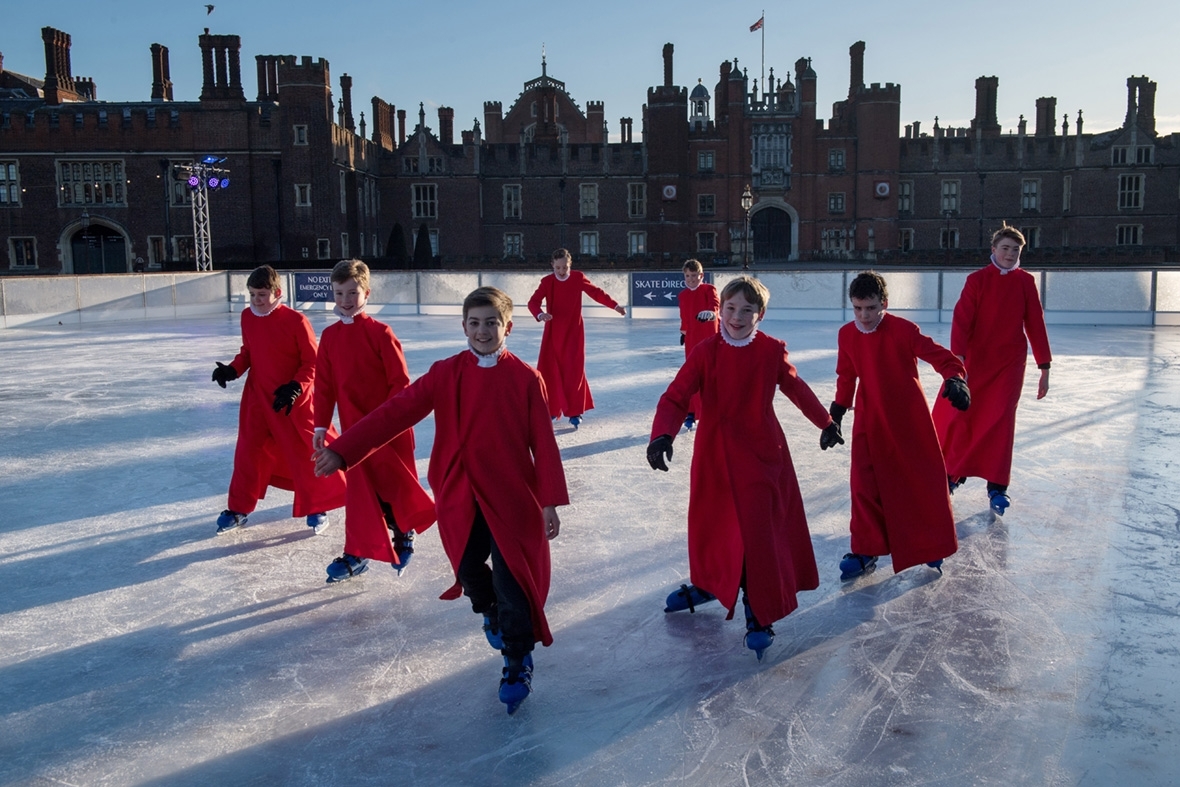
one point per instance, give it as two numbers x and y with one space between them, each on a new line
856 55
268 77
446 125
985 120
161 80
401 127
221 67
668 48
346 101
59 79
1046 117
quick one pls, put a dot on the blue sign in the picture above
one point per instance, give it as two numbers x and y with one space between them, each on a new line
313 287
659 289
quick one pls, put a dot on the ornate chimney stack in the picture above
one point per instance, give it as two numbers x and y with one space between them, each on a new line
161 81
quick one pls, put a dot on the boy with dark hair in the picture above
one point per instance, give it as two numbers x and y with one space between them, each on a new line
275 416
747 529
698 320
562 360
900 504
496 475
360 364
997 317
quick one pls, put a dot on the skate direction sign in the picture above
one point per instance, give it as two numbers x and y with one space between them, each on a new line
659 290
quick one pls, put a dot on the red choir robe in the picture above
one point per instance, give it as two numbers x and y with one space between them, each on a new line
996 319
493 446
900 502
692 303
744 504
562 360
359 365
274 449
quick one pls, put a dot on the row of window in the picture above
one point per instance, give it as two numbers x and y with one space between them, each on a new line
948 237
1130 194
588 243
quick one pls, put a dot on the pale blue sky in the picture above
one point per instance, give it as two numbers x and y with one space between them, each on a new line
460 54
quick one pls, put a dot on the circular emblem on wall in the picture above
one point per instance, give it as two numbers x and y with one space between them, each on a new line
669 192
882 188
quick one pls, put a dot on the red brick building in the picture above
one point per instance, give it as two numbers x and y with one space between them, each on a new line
93 186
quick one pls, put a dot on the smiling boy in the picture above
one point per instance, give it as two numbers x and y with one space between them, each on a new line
360 364
698 303
900 504
496 475
562 359
747 528
997 317
275 415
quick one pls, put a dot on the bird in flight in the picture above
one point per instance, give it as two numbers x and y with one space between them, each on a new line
208 10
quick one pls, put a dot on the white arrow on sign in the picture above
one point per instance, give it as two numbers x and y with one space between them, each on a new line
670 296
650 296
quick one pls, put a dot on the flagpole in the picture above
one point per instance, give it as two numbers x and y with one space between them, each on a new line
764 52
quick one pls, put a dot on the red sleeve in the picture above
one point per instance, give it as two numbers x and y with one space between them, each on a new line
946 363
673 405
397 372
683 301
800 394
305 339
393 417
1034 323
551 487
598 294
535 301
845 375
241 361
714 298
324 400
963 322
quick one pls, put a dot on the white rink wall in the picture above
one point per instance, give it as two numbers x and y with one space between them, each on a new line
1089 297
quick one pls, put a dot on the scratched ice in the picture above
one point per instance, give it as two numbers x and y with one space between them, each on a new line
139 648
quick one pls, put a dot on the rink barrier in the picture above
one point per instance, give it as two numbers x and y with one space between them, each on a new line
1090 297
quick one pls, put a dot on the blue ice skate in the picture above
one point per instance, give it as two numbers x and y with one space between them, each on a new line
229 520
347 567
998 501
936 565
575 421
491 629
317 522
517 683
954 483
403 546
758 637
688 597
853 565
689 422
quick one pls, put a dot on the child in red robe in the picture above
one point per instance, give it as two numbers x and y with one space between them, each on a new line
275 416
698 320
747 529
900 503
496 475
359 365
562 360
997 317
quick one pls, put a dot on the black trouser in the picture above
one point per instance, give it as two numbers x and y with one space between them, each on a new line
495 588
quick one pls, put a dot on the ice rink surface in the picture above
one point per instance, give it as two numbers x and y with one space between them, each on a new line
140 648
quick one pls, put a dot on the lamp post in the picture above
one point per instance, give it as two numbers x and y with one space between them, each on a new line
747 203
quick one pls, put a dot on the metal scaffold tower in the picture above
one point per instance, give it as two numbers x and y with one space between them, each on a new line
203 176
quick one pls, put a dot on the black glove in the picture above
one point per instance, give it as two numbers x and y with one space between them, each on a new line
286 395
956 392
837 412
223 374
656 451
830 437
682 340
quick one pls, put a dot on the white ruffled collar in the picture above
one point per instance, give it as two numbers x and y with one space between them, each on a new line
266 314
863 329
1004 271
732 342
345 318
489 360
562 278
